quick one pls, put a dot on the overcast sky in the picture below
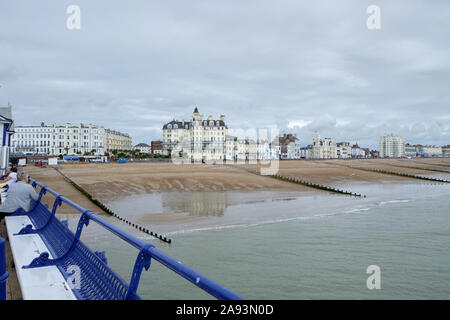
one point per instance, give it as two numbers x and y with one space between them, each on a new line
300 65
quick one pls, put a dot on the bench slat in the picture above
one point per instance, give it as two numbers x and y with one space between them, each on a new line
45 283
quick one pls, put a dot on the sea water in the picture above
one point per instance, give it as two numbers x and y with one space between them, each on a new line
322 252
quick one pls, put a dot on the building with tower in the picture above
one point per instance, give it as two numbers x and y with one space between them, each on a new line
197 140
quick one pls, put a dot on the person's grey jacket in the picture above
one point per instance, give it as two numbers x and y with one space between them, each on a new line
19 195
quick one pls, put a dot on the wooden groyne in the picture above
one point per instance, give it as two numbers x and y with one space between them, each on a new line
405 175
317 186
393 173
111 212
419 168
436 164
304 183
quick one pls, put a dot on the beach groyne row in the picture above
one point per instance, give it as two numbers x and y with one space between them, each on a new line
305 183
111 212
317 186
437 164
405 175
426 169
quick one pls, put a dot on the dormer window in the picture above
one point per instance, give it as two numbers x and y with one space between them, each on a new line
175 126
169 126
211 123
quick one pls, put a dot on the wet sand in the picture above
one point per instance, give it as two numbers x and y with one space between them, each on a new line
172 197
335 171
110 181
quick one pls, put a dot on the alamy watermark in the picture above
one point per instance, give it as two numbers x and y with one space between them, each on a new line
374 20
255 146
73 22
374 280
74 278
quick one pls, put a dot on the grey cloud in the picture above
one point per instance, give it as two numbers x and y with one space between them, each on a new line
135 65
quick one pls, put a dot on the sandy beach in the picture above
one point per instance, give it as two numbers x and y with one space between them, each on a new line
112 181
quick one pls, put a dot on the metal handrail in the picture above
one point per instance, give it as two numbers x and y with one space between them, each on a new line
147 251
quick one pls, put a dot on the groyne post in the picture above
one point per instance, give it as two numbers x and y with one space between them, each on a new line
3 273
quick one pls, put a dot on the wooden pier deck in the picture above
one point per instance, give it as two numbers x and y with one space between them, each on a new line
13 291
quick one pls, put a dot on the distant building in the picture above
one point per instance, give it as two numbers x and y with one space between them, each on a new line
284 142
198 140
411 151
446 151
115 140
306 152
374 154
343 150
275 150
156 147
263 150
6 134
392 146
68 139
143 148
294 150
323 149
230 148
237 149
56 140
358 152
429 151
366 152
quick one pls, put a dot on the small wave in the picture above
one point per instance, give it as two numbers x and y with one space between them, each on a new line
249 225
382 203
357 210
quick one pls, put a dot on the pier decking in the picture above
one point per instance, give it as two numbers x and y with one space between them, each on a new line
13 291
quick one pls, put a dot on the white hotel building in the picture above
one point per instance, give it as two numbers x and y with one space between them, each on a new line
392 146
197 140
64 140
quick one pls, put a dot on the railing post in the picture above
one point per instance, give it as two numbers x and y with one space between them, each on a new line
3 274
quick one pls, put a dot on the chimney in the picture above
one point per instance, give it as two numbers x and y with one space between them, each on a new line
210 117
42 124
222 118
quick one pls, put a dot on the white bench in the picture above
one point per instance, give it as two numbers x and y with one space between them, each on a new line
45 283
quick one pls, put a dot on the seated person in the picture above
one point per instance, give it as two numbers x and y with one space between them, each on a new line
5 182
19 196
11 176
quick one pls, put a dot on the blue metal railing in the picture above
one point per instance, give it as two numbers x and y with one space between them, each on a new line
147 251
3 273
